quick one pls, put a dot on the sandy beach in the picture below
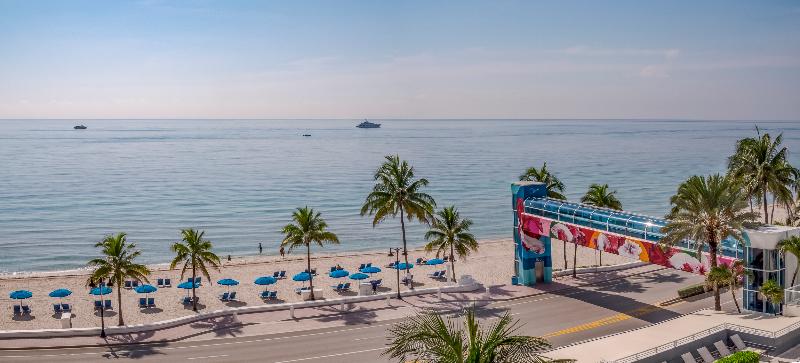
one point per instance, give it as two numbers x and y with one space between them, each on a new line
491 265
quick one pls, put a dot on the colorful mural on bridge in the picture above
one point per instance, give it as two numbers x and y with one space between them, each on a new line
534 228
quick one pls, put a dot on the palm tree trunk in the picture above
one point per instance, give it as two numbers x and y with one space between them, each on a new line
194 293
575 260
766 212
565 254
308 266
712 254
405 249
452 263
750 199
796 269
119 305
772 214
733 293
601 258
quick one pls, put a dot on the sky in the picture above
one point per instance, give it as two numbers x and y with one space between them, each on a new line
737 60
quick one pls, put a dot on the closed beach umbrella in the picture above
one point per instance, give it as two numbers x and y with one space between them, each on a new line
303 276
371 270
60 293
359 276
228 283
20 295
435 261
103 290
338 274
146 289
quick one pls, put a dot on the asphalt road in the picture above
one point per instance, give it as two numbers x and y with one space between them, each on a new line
565 316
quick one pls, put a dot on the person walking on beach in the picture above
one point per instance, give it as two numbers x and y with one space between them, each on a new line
283 253
260 249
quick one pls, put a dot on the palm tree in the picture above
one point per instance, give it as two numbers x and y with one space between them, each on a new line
773 293
761 165
195 254
555 188
707 210
308 227
791 245
727 275
450 232
429 338
598 196
117 265
397 192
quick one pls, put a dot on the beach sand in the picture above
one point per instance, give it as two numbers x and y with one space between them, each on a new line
491 265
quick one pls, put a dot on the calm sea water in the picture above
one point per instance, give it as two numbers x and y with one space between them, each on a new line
61 190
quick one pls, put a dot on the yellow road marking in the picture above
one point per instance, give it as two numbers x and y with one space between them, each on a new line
609 320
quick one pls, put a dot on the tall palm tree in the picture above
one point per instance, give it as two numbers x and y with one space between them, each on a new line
450 232
396 191
555 188
307 227
727 275
791 245
195 254
707 210
117 265
761 165
427 337
599 196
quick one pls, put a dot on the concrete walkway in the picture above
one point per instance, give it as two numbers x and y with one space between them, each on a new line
622 345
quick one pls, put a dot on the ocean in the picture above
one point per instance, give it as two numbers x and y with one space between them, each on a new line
62 190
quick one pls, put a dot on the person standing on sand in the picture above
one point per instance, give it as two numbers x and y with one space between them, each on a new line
283 253
260 249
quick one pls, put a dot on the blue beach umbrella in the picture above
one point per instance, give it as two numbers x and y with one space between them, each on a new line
359 276
20 294
103 290
435 261
265 280
338 274
146 289
228 283
371 270
187 285
60 293
303 276
403 266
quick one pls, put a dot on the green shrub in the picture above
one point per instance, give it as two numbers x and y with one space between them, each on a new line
742 356
692 290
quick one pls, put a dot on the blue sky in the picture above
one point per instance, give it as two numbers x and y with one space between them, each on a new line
400 59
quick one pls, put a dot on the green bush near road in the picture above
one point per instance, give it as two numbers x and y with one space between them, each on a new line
691 290
741 357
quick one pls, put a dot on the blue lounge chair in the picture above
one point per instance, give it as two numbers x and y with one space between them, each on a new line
224 296
434 275
128 284
107 305
361 266
232 297
17 310
160 282
66 307
151 302
419 260
333 268
265 294
346 287
98 304
390 265
273 295
135 284
198 280
283 274
277 274
57 308
337 287
186 300
167 282
142 303
369 264
26 309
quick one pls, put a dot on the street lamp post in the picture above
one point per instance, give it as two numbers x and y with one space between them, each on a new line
101 284
396 263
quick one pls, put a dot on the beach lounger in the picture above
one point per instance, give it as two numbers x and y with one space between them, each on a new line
419 260
361 267
265 294
26 309
57 308
151 302
333 268
277 274
738 342
128 284
283 274
722 349
337 288
224 296
273 295
688 358
167 282
186 300
135 284
446 258
434 275
390 265
705 354
98 304
198 280
232 297
300 289
142 303
369 264
17 310
346 287
107 305
160 282
66 307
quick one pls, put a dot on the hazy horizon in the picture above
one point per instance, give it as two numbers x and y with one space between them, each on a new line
152 59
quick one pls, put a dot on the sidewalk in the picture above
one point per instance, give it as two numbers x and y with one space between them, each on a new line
276 322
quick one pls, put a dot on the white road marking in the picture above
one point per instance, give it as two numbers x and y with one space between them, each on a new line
330 355
209 357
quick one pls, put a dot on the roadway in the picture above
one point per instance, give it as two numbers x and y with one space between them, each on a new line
564 316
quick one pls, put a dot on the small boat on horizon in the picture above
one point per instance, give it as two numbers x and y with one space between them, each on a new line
306 135
80 127
368 125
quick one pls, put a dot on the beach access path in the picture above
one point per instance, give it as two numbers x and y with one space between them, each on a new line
566 311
